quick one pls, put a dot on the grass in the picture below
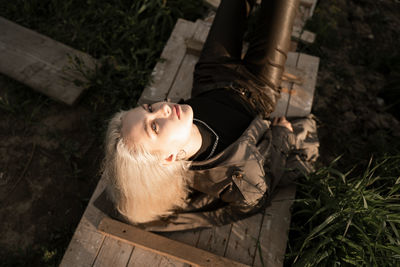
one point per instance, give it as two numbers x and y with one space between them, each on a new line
342 218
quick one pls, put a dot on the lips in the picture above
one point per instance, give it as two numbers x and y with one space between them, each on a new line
178 111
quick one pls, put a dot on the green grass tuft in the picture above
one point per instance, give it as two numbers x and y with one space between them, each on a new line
346 219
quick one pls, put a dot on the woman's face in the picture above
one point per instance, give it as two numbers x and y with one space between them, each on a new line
160 127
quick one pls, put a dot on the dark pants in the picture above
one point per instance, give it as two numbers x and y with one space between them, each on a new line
257 75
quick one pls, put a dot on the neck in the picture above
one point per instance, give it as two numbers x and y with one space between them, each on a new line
194 143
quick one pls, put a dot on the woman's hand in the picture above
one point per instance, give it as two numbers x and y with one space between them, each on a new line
281 121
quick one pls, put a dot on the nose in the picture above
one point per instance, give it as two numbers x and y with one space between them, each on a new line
165 110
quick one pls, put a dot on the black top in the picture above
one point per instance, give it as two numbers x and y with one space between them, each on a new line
226 113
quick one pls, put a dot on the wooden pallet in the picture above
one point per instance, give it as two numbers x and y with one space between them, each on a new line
40 62
259 240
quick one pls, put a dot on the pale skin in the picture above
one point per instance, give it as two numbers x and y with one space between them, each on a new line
163 127
168 128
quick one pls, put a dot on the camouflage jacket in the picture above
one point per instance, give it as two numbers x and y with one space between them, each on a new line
241 180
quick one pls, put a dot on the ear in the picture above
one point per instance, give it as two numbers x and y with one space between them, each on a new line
170 158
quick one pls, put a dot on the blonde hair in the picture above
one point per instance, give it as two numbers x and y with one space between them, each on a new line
141 186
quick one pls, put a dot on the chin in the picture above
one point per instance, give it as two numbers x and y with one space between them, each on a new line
188 111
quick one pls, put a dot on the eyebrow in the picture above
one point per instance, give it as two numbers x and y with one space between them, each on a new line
146 129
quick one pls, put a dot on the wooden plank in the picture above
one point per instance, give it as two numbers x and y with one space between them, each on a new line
301 96
213 3
194 47
113 253
165 71
146 258
303 35
162 245
182 86
282 103
302 16
87 230
215 239
274 230
83 248
314 5
202 30
310 4
189 237
40 62
243 239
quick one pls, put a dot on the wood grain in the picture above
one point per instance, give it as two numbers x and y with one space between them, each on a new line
86 241
283 102
113 253
215 239
146 258
162 245
243 239
41 63
165 71
83 248
274 229
301 101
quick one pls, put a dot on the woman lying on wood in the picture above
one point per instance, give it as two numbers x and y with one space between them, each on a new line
215 158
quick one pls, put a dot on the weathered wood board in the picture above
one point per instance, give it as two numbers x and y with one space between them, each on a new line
296 99
274 230
40 62
161 245
165 71
259 240
299 34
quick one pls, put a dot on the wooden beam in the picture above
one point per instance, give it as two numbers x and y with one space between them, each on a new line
162 245
274 229
302 98
164 72
141 257
299 34
40 62
113 253
242 244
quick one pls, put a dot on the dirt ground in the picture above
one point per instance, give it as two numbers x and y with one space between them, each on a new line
49 156
48 169
357 95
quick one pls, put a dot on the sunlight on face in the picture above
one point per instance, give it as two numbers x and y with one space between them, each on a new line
160 127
